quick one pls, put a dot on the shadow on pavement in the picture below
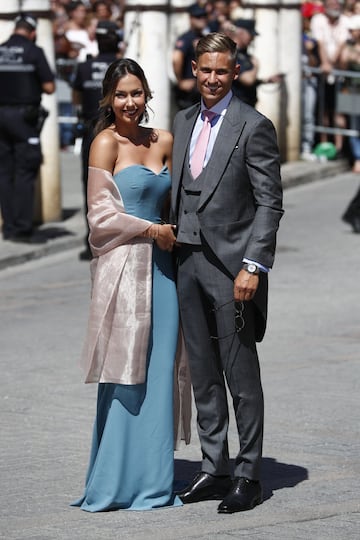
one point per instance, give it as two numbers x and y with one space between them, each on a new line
50 233
68 213
274 475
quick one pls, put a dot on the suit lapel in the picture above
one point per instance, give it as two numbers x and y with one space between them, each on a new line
181 143
226 140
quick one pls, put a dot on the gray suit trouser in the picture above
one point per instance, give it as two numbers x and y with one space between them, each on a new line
204 286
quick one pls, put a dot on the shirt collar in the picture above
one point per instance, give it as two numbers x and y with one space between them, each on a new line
222 105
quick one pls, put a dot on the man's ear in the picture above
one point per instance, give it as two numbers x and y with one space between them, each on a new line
236 71
194 67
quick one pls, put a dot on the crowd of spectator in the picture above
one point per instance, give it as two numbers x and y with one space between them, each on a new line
329 28
74 24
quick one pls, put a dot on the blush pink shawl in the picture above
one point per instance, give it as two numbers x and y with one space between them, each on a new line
116 342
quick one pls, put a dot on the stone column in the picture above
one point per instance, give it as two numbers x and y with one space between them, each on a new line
290 29
146 35
278 48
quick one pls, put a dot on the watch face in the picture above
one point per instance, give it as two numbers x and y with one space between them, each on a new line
252 268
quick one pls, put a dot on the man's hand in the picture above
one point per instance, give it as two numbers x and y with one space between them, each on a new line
245 286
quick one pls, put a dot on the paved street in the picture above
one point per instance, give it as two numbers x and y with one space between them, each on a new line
311 378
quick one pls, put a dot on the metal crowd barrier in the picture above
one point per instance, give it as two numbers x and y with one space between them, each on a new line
65 70
347 98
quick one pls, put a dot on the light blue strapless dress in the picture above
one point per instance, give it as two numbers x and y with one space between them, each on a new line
132 456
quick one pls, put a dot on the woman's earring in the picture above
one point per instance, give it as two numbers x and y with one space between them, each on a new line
146 114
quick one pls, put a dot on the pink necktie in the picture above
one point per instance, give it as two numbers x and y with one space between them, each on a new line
199 153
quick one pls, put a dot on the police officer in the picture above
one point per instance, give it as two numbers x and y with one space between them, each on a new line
87 92
24 75
185 90
245 86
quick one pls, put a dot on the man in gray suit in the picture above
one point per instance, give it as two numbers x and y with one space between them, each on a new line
227 218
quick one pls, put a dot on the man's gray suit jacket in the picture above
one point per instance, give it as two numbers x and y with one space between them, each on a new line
241 204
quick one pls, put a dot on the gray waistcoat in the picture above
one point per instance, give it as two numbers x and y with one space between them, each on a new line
188 223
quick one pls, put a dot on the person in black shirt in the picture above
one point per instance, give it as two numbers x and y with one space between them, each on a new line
24 75
243 32
87 92
185 90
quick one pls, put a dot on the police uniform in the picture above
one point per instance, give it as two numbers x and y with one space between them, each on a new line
247 93
23 70
186 43
87 81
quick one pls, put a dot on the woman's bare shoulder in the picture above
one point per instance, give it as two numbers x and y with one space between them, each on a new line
105 138
165 136
165 139
104 150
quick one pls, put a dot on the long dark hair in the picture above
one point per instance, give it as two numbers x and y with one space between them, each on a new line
116 71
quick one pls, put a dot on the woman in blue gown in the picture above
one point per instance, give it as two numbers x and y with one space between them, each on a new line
131 460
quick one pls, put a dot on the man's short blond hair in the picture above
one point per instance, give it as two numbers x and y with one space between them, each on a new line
216 42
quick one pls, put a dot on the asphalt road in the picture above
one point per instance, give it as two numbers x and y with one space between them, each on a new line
311 379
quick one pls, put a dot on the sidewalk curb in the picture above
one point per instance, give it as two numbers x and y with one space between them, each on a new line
304 172
37 252
293 174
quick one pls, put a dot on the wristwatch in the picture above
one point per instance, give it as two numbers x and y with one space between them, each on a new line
251 268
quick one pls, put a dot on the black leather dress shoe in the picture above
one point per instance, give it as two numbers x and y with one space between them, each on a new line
85 255
355 223
352 220
244 495
205 487
35 238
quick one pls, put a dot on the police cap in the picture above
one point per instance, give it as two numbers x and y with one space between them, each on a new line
197 11
26 18
248 24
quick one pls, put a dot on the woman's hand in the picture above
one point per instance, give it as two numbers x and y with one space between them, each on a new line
163 235
166 237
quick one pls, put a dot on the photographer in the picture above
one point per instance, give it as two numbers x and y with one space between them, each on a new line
24 75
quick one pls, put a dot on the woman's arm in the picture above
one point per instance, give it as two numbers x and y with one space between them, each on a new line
166 141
